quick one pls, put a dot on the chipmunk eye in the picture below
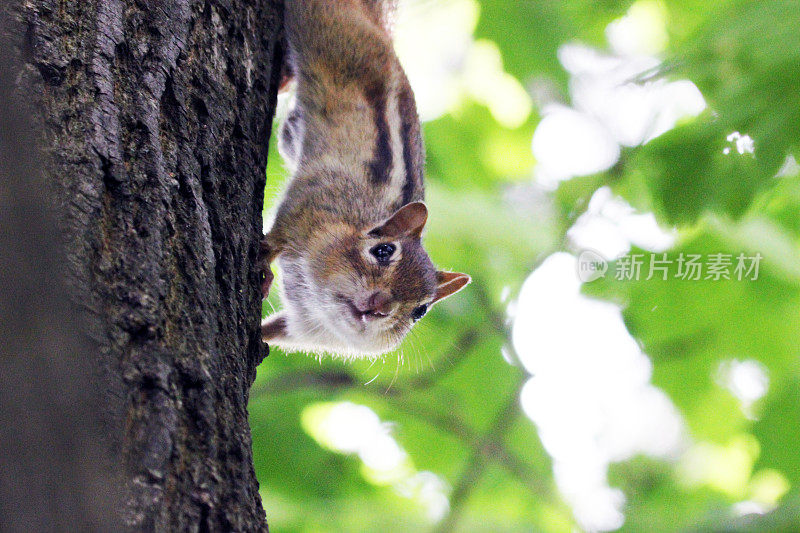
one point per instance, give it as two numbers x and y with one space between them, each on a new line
383 252
419 312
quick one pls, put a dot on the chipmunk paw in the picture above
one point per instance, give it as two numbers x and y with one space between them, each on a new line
264 261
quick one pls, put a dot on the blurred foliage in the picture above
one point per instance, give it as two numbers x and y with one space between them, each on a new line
451 396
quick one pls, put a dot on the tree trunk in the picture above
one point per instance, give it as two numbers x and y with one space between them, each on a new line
155 117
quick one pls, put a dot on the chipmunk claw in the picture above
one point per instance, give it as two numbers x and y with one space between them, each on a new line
266 283
264 261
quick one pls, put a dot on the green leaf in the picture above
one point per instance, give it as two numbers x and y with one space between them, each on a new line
694 169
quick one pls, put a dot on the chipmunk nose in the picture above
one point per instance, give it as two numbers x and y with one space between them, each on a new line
377 305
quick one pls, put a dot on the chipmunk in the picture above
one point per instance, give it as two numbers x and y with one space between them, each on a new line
347 233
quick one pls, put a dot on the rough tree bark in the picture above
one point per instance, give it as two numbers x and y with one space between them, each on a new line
53 455
155 117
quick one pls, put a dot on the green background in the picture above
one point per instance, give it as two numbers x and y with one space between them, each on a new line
449 397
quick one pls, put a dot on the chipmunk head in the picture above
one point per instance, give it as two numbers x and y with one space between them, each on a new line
370 285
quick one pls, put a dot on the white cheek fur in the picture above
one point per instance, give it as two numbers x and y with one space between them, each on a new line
319 324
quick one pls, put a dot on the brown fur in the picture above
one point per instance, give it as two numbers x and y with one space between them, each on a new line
353 141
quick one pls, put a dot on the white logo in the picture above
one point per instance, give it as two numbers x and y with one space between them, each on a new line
591 266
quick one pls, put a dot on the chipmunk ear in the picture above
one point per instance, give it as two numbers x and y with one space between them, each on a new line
449 283
409 220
